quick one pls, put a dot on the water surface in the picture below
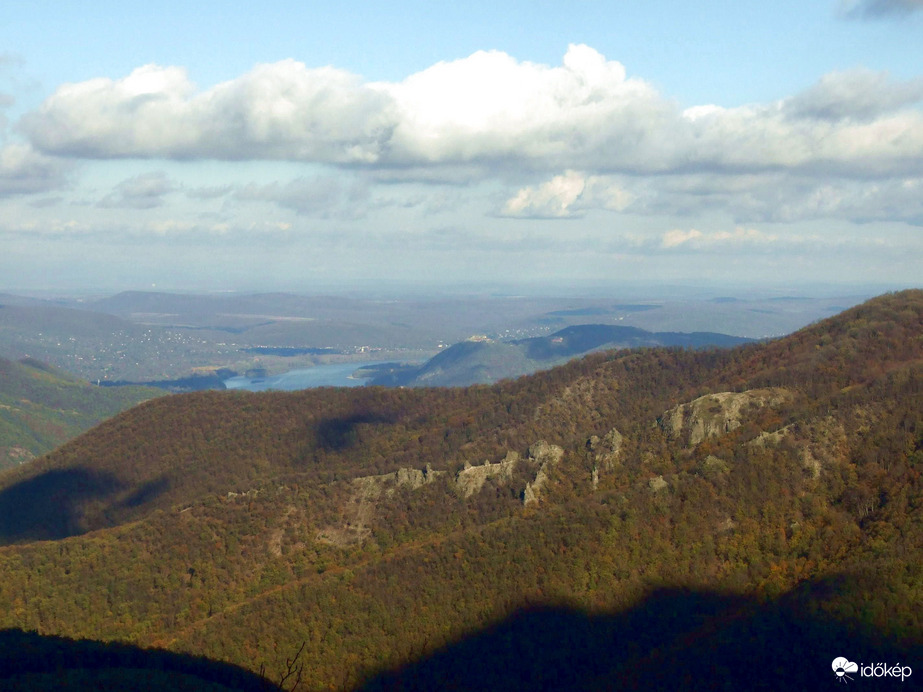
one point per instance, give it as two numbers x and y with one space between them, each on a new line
333 375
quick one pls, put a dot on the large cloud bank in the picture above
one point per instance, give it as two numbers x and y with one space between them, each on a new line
579 136
488 108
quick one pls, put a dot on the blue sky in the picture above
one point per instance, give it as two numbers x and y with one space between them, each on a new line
214 145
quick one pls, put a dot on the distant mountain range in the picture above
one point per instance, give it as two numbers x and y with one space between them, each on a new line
483 361
144 336
656 519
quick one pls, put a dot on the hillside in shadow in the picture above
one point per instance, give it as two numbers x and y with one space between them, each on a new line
50 506
30 662
675 639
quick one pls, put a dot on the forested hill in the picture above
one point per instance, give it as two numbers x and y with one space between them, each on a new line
654 508
42 407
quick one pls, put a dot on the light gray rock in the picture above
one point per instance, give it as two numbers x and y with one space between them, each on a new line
657 484
548 456
717 414
471 479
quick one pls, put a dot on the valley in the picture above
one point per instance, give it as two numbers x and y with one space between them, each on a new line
651 507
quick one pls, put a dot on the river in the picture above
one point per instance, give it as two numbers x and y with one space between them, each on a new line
332 375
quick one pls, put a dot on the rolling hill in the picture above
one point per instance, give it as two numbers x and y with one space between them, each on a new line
653 518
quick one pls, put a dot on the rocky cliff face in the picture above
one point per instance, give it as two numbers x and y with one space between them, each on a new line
716 414
820 442
546 456
607 452
363 501
542 455
471 479
367 492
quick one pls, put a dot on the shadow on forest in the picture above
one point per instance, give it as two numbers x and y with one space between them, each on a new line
673 640
36 663
336 434
147 492
49 506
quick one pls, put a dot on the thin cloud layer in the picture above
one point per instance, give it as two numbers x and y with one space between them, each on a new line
777 197
141 192
323 197
25 171
873 9
694 238
858 94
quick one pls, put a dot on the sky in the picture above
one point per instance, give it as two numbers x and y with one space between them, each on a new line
304 146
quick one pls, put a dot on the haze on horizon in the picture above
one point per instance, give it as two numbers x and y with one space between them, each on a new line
194 146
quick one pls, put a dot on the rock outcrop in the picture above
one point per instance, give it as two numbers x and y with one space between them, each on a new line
366 492
821 442
547 456
471 479
607 452
657 483
716 414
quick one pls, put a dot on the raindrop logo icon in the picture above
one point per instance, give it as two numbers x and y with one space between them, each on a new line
842 666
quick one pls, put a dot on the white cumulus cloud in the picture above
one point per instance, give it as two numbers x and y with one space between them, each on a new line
279 111
620 143
490 107
566 196
552 199
488 110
